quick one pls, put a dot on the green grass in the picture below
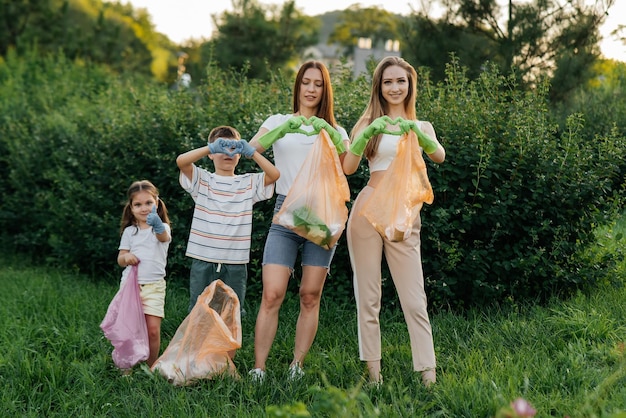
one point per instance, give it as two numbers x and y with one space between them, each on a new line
567 358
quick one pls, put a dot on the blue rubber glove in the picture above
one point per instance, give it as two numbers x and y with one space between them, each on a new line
292 124
155 222
427 143
318 124
223 146
377 126
244 148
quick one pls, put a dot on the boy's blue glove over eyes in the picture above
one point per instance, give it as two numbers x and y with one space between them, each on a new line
360 142
318 124
223 146
244 148
427 143
155 222
278 132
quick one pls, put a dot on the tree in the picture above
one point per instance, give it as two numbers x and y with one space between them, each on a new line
258 39
544 38
87 30
377 24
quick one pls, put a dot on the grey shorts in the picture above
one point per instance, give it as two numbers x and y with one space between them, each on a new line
203 273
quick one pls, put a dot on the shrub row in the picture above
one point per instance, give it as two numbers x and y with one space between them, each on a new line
515 202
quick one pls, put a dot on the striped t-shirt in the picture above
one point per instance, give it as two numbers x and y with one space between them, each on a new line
222 217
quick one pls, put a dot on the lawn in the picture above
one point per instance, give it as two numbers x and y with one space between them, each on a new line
567 358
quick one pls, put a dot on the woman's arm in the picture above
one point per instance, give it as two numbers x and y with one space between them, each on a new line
350 162
439 156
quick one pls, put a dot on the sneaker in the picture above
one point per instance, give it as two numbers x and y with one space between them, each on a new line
295 372
257 375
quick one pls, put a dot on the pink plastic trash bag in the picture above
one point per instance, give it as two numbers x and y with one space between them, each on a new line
199 349
125 325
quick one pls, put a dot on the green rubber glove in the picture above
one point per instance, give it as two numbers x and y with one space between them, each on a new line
318 124
427 143
278 132
374 128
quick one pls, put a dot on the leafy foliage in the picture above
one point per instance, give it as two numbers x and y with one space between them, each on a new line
248 38
516 198
372 22
540 39
515 202
111 34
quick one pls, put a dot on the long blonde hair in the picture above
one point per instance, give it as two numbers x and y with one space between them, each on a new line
378 106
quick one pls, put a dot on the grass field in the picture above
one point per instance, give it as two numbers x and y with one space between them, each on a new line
566 358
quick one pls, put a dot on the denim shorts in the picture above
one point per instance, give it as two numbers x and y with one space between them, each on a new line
282 246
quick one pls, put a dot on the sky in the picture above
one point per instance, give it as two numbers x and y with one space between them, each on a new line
181 20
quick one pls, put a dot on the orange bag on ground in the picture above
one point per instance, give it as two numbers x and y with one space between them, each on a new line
315 206
200 346
398 198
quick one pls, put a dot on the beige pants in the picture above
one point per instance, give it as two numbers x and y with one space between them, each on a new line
366 248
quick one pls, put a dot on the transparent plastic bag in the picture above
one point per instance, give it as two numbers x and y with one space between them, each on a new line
394 205
200 346
125 324
315 206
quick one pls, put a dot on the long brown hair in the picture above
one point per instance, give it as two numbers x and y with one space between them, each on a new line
325 110
128 219
378 106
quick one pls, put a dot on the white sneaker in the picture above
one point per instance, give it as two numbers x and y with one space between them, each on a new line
257 375
295 372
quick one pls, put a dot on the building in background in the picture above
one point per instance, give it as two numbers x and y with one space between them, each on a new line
331 55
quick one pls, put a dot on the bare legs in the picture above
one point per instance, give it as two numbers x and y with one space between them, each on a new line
275 280
313 279
373 367
154 337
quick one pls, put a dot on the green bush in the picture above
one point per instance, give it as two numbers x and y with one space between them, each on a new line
514 202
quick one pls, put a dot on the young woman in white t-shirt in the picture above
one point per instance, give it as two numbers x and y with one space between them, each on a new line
312 96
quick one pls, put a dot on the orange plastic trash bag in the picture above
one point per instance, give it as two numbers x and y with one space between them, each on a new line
394 205
315 206
200 346
124 324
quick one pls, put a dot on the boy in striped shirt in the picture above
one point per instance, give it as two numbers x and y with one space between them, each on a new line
219 239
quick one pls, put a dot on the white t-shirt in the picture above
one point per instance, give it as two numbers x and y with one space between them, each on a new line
291 150
151 252
222 218
387 149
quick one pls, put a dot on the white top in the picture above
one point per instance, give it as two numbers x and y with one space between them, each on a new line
222 218
151 252
291 150
387 149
